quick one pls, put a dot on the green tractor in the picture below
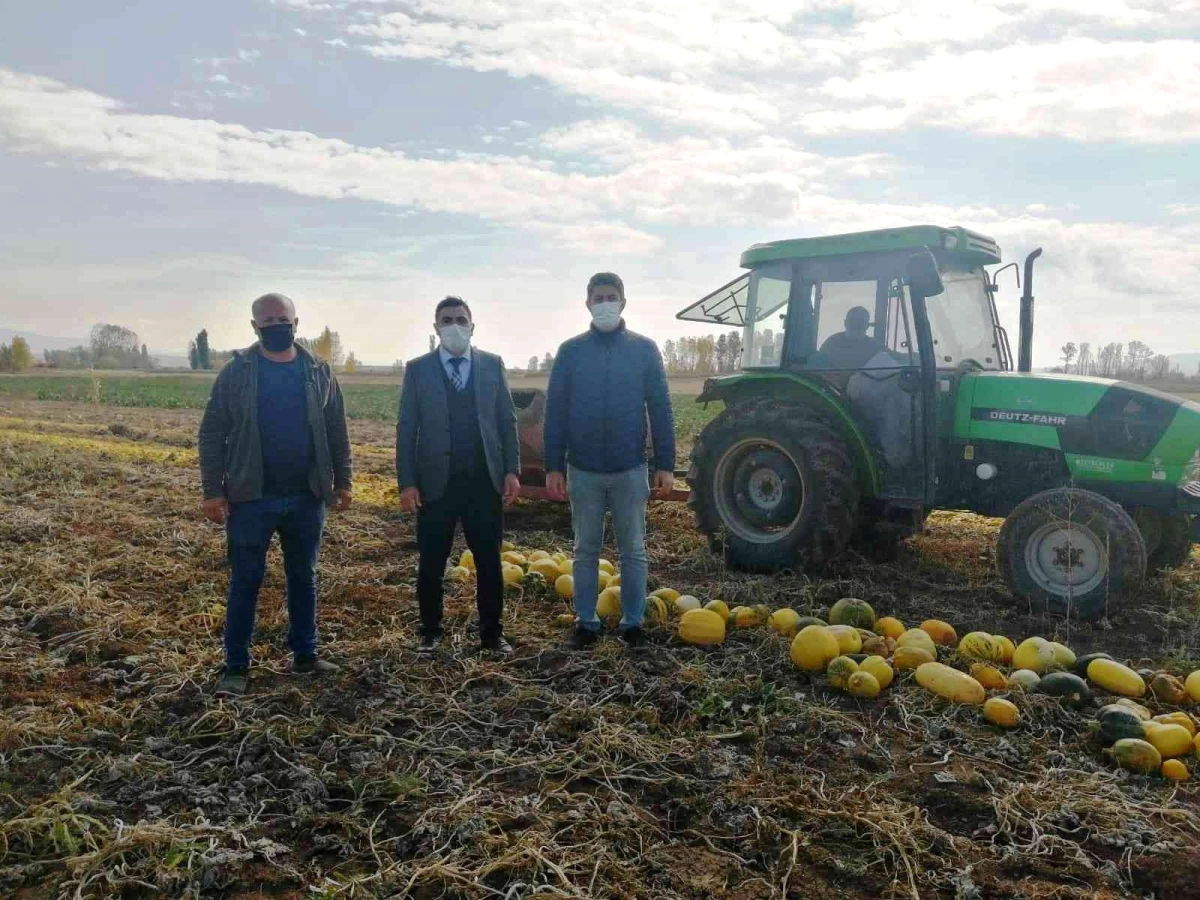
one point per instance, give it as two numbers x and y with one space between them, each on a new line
877 384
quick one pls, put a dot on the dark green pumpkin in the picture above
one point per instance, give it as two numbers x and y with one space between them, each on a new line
1071 689
1119 722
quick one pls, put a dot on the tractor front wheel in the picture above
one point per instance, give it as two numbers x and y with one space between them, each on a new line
1071 551
1168 537
774 484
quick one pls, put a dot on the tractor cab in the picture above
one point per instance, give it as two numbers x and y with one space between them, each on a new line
846 316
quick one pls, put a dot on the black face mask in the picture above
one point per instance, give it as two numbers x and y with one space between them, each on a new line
277 338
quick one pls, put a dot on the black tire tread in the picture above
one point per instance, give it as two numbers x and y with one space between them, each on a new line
1127 555
820 443
1175 546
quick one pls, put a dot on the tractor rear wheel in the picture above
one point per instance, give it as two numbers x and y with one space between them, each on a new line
773 483
1071 551
1168 537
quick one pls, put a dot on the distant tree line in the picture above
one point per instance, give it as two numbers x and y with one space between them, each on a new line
1134 361
684 356
15 357
327 346
108 347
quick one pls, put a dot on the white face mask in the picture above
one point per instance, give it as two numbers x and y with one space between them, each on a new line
455 338
606 316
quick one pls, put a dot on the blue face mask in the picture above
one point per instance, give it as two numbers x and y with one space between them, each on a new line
277 338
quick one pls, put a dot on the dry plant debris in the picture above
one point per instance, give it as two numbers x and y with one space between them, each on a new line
675 773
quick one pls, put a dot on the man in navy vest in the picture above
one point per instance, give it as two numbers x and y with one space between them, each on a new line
604 385
457 460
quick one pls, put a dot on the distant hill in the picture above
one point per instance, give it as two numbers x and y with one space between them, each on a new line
39 342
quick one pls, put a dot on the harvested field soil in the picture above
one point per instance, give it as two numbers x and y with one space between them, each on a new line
676 772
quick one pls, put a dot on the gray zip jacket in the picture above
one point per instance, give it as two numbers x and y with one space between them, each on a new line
230 446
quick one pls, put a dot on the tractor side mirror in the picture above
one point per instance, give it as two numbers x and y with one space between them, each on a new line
923 275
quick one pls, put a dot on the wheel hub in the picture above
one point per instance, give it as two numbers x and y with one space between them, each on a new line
1066 559
759 490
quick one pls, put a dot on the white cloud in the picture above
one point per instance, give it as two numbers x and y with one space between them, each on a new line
1066 68
678 181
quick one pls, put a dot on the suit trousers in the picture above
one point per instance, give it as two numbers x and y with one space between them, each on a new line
473 501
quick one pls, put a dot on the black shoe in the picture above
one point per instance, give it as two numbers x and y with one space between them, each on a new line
582 639
428 645
311 665
234 681
634 636
496 644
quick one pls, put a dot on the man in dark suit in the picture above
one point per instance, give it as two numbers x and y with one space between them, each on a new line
457 460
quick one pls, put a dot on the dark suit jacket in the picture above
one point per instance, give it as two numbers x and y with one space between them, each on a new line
423 448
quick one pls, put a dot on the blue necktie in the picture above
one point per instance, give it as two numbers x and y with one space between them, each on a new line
456 378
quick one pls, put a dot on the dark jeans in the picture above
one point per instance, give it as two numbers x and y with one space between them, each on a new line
475 503
248 530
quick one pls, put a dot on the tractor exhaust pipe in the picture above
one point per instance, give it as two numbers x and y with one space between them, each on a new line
1025 347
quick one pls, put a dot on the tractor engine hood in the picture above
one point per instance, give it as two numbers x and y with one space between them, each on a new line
1108 431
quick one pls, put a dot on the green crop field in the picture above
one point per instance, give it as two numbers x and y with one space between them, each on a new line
367 398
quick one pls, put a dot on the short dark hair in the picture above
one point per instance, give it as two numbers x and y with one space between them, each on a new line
609 278
451 301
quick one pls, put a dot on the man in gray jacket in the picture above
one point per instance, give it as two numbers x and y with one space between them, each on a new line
457 460
274 452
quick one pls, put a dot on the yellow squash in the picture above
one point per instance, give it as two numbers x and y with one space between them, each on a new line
979 645
839 671
863 685
564 586
785 621
701 627
1036 655
891 627
989 676
1007 649
1174 770
1116 678
878 667
1001 712
1192 685
1177 718
1169 740
848 638
1136 755
915 637
1064 656
813 648
608 604
942 633
719 607
607 567
670 595
950 684
908 658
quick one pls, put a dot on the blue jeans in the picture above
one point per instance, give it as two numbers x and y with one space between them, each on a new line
248 529
625 494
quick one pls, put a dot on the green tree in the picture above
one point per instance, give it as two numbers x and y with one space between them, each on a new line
22 356
203 353
6 358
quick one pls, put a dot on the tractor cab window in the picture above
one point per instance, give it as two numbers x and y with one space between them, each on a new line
766 316
962 321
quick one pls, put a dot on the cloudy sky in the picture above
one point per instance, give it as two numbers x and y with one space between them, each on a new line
163 163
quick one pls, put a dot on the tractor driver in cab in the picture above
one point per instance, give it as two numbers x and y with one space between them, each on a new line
852 348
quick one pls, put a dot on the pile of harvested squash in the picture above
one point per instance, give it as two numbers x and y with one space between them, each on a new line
861 654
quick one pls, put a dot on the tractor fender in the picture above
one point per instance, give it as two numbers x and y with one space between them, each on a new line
788 387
